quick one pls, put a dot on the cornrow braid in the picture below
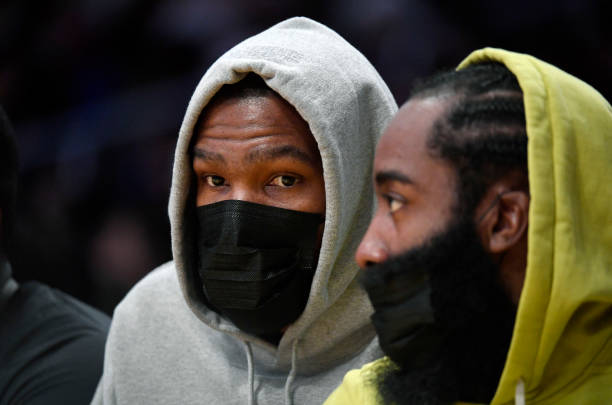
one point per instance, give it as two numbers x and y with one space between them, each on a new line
483 132
492 111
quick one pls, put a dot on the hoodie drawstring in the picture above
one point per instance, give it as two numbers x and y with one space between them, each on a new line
292 373
519 393
251 376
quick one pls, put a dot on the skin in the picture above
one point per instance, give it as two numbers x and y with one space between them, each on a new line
416 194
257 149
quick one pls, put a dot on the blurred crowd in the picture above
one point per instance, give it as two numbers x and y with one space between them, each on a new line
96 91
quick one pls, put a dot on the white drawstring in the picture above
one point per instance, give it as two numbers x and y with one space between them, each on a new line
251 376
519 393
291 376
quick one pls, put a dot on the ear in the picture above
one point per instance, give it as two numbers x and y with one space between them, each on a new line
505 216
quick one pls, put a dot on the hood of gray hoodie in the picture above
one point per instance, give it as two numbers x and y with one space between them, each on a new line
347 106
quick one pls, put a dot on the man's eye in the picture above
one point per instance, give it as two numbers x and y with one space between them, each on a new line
284 181
394 204
214 181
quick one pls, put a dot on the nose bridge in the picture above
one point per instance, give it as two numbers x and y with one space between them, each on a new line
244 192
373 248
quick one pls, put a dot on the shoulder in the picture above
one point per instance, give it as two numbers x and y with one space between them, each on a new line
56 309
358 386
66 338
152 307
39 313
157 346
156 281
157 289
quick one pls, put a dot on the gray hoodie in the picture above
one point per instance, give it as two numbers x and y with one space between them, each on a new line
165 345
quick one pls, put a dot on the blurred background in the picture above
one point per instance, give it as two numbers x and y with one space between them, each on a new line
96 91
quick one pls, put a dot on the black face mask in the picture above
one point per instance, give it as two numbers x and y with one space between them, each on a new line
256 262
443 317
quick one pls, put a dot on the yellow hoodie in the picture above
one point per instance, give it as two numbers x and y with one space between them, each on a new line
561 350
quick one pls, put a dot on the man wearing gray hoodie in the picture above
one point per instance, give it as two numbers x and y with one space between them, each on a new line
270 196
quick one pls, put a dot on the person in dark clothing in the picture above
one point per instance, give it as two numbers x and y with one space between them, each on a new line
51 345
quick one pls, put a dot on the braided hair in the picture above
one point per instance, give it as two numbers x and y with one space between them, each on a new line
483 133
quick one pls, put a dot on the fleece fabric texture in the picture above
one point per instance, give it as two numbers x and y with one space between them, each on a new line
561 350
165 345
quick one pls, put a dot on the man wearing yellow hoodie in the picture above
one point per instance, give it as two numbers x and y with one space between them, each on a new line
489 259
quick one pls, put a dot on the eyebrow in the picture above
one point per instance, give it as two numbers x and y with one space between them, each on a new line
280 152
207 155
392 175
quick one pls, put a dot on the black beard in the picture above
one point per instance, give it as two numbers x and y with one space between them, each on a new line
471 311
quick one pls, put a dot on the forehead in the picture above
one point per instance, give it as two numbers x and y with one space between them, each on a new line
403 147
259 119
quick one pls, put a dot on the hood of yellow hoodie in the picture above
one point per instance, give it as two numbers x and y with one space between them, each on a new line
562 342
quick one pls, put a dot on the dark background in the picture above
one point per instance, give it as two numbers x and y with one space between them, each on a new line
96 90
